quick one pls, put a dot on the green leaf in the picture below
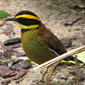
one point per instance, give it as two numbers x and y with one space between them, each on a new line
81 56
3 14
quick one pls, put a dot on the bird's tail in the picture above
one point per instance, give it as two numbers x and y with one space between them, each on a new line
71 60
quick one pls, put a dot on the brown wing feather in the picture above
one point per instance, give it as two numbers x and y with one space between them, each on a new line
51 40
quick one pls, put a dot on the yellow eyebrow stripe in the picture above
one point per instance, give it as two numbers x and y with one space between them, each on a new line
28 17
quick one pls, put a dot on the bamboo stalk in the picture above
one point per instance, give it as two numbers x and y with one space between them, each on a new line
59 58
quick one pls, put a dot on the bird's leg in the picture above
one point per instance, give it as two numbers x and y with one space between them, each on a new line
47 75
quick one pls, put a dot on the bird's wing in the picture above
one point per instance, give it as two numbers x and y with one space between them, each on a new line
50 39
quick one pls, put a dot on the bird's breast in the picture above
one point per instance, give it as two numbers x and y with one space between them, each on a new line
35 48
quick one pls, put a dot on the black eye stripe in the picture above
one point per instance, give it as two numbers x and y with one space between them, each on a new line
27 22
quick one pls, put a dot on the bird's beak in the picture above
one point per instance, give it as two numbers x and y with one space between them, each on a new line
11 19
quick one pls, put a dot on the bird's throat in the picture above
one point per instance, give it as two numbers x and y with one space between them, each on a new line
28 34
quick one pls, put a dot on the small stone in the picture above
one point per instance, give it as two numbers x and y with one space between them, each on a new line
11 47
72 20
12 41
7 73
25 64
64 77
21 65
20 73
67 42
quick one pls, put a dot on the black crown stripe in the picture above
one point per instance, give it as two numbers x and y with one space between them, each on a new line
25 12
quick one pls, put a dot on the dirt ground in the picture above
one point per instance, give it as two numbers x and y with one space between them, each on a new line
53 14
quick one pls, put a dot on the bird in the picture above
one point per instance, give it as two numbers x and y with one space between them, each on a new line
38 42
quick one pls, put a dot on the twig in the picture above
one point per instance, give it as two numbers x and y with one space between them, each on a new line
59 58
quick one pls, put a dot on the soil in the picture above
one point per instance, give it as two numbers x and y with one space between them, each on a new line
54 14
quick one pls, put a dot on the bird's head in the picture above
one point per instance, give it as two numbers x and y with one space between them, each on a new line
26 20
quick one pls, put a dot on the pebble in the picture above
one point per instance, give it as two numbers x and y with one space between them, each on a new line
67 42
12 41
18 65
72 20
